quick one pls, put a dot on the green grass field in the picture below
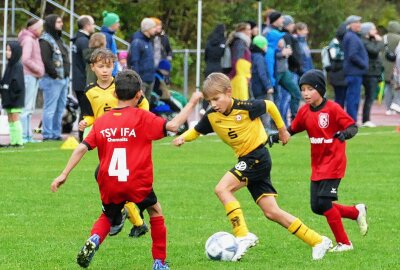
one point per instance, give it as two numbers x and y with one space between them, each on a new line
42 230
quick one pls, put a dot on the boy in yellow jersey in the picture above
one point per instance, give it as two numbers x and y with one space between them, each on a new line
100 98
239 125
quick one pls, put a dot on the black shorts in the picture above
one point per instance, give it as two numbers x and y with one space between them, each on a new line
113 211
255 169
325 188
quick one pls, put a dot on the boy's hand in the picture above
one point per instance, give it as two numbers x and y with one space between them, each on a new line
273 138
82 125
196 97
284 136
340 136
178 141
60 180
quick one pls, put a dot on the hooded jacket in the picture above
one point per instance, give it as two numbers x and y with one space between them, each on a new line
31 57
393 39
215 47
374 48
111 45
273 37
81 43
260 81
12 84
49 54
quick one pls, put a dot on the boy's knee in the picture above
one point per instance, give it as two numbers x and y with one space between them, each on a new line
321 205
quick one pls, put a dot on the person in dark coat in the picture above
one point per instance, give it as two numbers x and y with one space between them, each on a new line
335 70
13 92
374 44
80 44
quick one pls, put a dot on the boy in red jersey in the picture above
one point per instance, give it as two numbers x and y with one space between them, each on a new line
328 126
124 138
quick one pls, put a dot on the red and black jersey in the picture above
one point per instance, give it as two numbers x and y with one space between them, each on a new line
124 141
328 156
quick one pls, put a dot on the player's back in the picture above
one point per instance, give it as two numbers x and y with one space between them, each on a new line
124 141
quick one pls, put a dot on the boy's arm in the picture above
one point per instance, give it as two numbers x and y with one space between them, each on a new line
183 115
187 136
272 110
76 156
346 134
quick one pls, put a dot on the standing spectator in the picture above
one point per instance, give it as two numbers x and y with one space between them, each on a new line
306 59
254 29
96 41
122 60
80 44
161 45
142 54
109 28
239 42
391 39
355 64
55 81
374 45
335 69
13 92
33 71
215 48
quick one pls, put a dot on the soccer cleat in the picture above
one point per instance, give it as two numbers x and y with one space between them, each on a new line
342 247
159 265
362 218
244 243
395 107
319 250
138 231
368 124
114 230
87 252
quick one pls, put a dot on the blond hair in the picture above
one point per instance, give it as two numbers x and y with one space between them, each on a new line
215 83
97 40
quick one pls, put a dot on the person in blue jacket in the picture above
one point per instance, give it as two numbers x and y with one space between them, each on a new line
110 27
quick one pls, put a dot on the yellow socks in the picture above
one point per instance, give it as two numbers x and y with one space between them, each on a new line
306 234
235 216
133 214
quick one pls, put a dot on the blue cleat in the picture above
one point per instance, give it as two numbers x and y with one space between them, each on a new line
159 265
86 254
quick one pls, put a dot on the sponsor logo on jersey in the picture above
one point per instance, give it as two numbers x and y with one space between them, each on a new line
241 166
323 120
320 140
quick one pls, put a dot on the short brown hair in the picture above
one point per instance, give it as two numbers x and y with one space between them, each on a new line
97 40
102 54
215 83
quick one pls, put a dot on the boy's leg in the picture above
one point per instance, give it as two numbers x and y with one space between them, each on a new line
99 232
224 190
139 227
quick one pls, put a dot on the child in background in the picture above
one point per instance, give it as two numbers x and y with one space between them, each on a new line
327 126
13 92
96 41
122 60
238 124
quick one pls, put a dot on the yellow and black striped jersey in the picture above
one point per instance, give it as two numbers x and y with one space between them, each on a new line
100 100
241 128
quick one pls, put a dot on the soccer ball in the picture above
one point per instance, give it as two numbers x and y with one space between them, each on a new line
221 246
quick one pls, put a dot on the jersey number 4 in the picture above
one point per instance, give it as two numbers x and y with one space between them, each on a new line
118 165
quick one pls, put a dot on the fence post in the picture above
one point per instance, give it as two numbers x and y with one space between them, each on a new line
185 73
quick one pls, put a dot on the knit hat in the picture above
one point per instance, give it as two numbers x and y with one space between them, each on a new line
274 16
260 41
352 19
287 19
252 24
366 27
316 79
123 55
164 65
147 24
109 18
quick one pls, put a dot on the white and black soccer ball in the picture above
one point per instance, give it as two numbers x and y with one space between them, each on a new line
221 246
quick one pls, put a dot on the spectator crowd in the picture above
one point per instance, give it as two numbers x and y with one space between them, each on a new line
261 63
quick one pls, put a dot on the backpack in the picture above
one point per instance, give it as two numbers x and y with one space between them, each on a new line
226 59
326 60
